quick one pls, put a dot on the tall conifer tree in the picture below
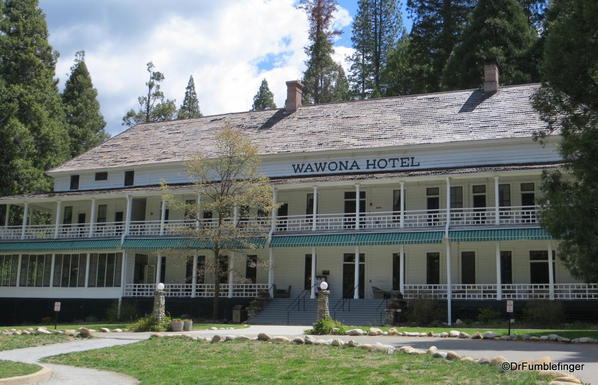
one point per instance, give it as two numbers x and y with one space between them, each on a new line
263 99
497 30
32 120
85 121
190 107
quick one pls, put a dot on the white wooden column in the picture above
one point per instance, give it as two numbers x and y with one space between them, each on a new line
448 204
53 259
550 272
274 210
158 268
496 202
312 294
7 215
128 215
194 277
25 220
87 270
92 217
357 206
498 273
356 280
57 218
314 214
449 282
402 213
18 283
162 216
402 269
231 273
235 215
123 273
198 214
271 272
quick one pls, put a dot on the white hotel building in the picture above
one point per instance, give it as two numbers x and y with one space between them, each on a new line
431 195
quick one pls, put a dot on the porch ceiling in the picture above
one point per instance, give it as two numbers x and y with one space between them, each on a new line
532 234
366 239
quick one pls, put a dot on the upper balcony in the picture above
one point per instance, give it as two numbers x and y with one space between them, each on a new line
321 223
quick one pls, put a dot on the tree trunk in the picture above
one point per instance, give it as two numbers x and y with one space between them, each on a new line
216 299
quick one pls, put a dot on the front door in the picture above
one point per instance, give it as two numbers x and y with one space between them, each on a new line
282 217
433 204
349 275
479 203
351 206
528 201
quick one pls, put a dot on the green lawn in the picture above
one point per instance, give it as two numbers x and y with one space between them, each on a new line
26 341
568 333
13 369
185 361
111 326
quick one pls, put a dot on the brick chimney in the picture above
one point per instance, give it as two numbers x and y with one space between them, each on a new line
490 77
294 93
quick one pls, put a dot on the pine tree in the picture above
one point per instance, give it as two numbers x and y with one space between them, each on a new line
375 30
32 120
498 31
340 89
263 99
153 107
437 28
397 72
190 107
85 122
320 77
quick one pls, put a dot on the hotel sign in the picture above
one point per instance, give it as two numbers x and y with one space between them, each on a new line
355 165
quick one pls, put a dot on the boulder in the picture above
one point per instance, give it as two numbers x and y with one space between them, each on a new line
229 338
489 335
352 343
213 328
444 335
454 333
388 349
405 349
309 340
86 333
27 333
450 355
298 341
216 338
534 338
118 330
417 351
280 339
243 338
476 336
263 337
484 361
458 322
563 339
367 347
392 332
464 335
584 340
104 330
337 342
375 332
411 334
497 361
466 358
70 332
561 383
432 350
355 332
17 332
440 354
550 374
568 380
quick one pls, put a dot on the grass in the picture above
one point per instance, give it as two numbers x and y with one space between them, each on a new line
111 326
185 361
568 333
27 341
13 369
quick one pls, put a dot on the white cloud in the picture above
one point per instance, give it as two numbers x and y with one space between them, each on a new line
221 44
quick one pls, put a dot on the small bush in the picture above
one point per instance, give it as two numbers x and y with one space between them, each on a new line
327 326
488 315
128 313
424 312
151 324
544 313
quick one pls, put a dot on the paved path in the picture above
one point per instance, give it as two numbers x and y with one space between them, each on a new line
68 375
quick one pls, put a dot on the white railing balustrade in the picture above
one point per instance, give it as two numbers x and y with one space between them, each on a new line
240 290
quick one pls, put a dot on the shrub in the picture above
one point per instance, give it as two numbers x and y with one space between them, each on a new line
544 313
150 324
488 315
328 326
128 312
425 311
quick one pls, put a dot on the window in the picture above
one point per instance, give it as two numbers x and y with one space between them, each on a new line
74 182
129 178
8 270
251 269
101 176
468 267
504 195
67 217
456 197
432 268
396 201
396 271
199 272
538 266
35 270
506 267
69 270
102 213
118 216
223 269
105 269
309 204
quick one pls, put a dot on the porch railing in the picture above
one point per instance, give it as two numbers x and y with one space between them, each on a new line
239 290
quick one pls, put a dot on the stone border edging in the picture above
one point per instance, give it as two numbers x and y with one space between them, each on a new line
43 374
556 377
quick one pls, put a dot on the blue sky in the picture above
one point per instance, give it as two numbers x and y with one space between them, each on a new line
228 46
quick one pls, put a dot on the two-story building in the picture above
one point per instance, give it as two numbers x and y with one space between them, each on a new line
432 195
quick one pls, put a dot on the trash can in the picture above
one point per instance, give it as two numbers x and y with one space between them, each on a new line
239 314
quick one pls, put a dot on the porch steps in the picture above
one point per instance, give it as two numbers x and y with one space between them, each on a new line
361 312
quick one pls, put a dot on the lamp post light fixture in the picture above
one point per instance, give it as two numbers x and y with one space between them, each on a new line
160 286
323 311
159 310
323 285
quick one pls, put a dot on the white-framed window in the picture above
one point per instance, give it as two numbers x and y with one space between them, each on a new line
8 270
105 269
69 270
35 270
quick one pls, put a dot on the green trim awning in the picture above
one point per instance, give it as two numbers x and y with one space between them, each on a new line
184 243
93 244
364 239
531 234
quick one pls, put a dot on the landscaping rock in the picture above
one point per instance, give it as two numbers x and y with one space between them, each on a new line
104 330
336 330
489 335
17 332
464 335
417 351
280 339
86 333
563 339
411 334
229 338
432 349
450 355
243 338
568 380
466 358
367 346
551 374
476 336
336 342
216 338
497 361
213 328
440 354
405 349
484 361
388 349
263 337
118 330
559 383
70 332
355 332
352 343
454 333
375 332
27 332
309 340
458 322
298 341
156 335
392 332
584 340
534 338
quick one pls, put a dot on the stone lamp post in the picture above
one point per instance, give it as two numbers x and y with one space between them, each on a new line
323 294
159 311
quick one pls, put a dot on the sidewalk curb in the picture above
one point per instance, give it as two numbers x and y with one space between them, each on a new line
41 375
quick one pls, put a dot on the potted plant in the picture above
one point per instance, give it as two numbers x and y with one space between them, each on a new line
176 325
188 325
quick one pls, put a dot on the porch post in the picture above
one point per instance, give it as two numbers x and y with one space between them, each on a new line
123 276
313 273
57 218
235 215
314 214
449 288
231 266
357 200
274 210
18 283
496 202
198 211
7 215
87 270
92 218
128 218
498 273
402 213
550 272
271 272
162 216
194 276
448 203
52 260
356 281
158 268
402 270
25 217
